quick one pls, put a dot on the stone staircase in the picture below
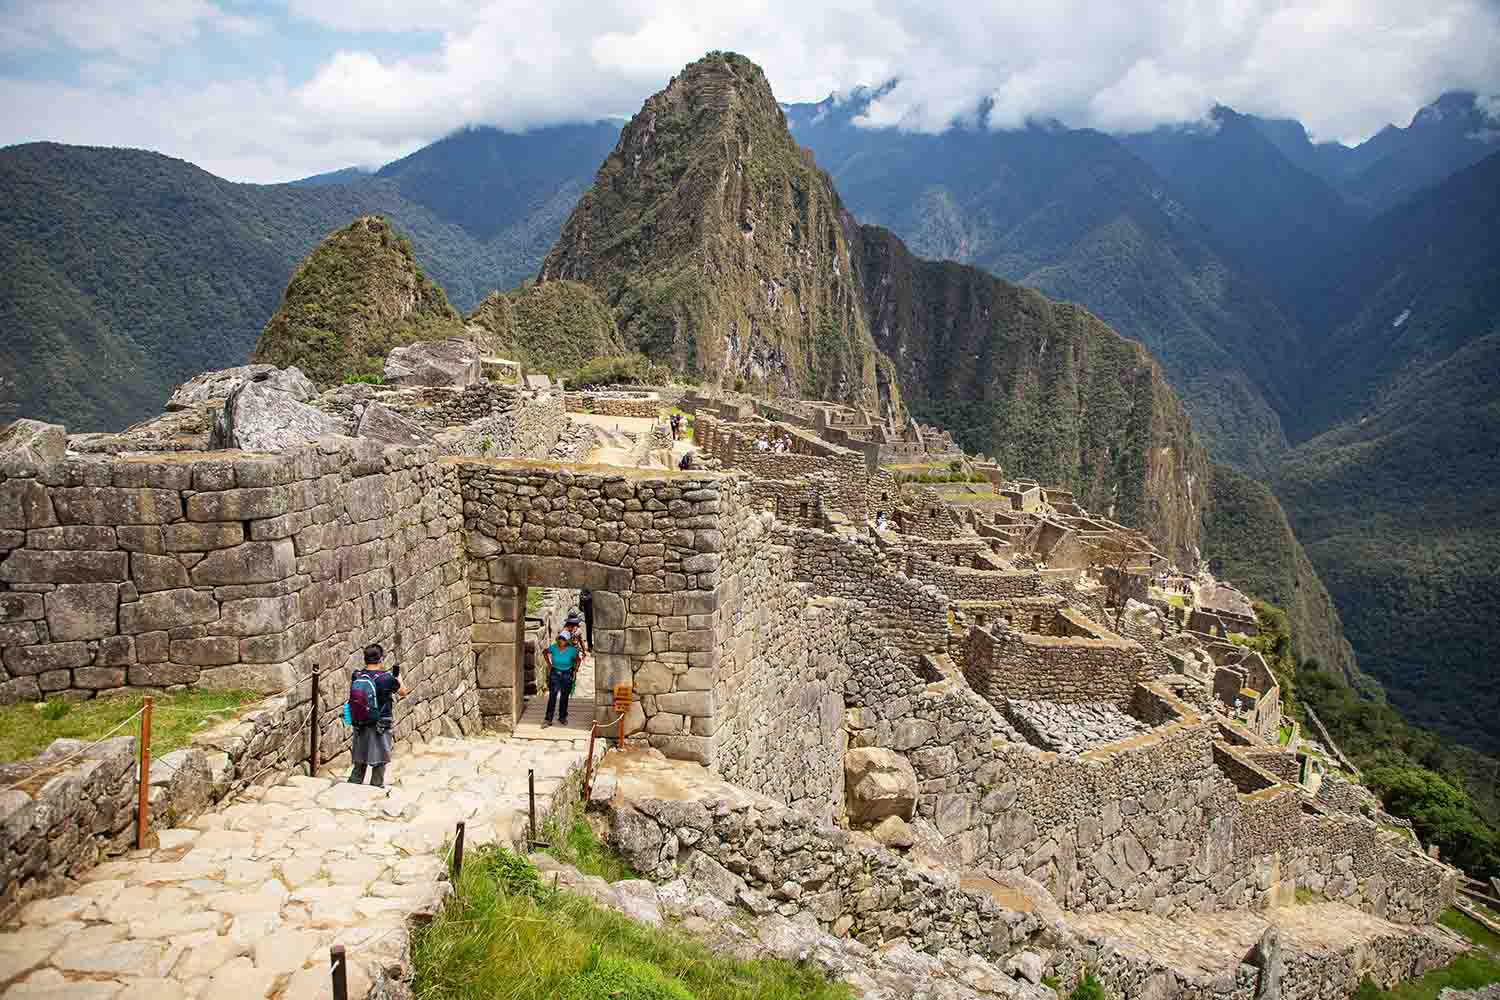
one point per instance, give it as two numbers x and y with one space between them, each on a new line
246 901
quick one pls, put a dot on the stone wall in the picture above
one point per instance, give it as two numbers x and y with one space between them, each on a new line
1001 662
1284 766
964 583
238 571
843 473
889 608
1351 860
614 405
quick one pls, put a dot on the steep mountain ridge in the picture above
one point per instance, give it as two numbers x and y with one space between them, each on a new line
719 245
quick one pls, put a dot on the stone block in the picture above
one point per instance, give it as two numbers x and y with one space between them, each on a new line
495 666
495 632
878 783
73 536
195 537
20 607
691 640
140 538
637 641
82 611
700 749
99 678
48 656
242 504
653 678
110 505
250 562
151 573
264 677
212 651
257 615
273 648
151 647
698 679
18 634
24 503
168 609
666 722
115 651
34 442
33 566
699 703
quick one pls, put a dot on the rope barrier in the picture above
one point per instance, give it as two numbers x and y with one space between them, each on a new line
75 754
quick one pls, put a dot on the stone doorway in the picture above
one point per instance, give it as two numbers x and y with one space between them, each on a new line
498 586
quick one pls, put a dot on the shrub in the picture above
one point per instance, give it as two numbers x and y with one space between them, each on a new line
1088 988
364 379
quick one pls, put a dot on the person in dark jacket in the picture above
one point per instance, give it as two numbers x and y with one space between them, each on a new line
373 740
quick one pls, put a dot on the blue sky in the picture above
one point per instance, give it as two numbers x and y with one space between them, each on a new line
268 90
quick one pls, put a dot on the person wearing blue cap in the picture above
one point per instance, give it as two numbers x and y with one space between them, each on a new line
562 664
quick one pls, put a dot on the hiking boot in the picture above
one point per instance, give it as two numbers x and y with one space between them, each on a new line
546 723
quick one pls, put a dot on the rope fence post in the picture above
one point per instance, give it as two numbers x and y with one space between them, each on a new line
531 806
144 798
458 851
338 967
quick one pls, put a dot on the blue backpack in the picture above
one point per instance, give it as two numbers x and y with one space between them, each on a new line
363 706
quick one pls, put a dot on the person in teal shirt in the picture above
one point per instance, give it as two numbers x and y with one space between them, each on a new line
562 661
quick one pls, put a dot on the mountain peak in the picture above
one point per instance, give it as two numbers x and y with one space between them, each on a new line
358 294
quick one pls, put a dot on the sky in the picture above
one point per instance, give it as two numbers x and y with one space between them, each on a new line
272 90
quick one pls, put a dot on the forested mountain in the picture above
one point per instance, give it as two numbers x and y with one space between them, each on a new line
1397 504
128 272
1075 215
1277 220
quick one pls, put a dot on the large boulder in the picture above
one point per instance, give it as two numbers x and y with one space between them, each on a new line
878 783
453 362
34 442
380 423
210 387
260 417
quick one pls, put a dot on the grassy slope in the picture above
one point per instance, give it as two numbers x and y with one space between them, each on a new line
554 327
506 936
26 730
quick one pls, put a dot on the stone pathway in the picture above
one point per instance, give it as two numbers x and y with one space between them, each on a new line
246 902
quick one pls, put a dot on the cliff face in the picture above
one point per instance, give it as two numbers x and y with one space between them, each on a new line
720 246
1043 386
356 296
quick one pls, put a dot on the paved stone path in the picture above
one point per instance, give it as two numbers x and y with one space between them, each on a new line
245 902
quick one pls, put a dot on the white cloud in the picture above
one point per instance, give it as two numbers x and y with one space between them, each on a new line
1344 67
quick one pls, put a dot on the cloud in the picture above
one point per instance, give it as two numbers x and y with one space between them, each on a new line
388 75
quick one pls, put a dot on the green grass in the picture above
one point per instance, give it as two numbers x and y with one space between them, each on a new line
505 935
533 600
1476 968
1284 734
27 729
581 849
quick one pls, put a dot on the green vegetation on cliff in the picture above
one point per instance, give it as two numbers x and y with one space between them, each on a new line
719 245
554 327
1247 541
1043 386
360 293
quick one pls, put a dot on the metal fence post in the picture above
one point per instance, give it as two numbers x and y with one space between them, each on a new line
458 851
313 762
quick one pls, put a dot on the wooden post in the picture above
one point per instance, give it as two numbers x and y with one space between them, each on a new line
531 806
338 966
145 774
458 851
621 704
313 762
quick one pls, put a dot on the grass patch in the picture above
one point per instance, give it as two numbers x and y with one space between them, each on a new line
1480 967
534 599
505 935
1284 734
1306 895
580 848
27 729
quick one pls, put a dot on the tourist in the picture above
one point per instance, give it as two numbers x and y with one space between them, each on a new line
371 710
880 522
562 674
573 629
676 427
687 462
586 603
761 444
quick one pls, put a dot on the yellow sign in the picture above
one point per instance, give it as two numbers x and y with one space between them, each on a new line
622 697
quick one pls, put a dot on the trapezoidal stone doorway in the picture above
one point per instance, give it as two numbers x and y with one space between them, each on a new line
648 543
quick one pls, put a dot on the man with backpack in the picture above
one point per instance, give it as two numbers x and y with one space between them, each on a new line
562 673
371 711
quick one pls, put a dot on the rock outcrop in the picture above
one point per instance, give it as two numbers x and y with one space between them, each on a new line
212 387
451 362
33 442
260 417
380 423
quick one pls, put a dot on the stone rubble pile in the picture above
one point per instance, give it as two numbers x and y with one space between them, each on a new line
1074 728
